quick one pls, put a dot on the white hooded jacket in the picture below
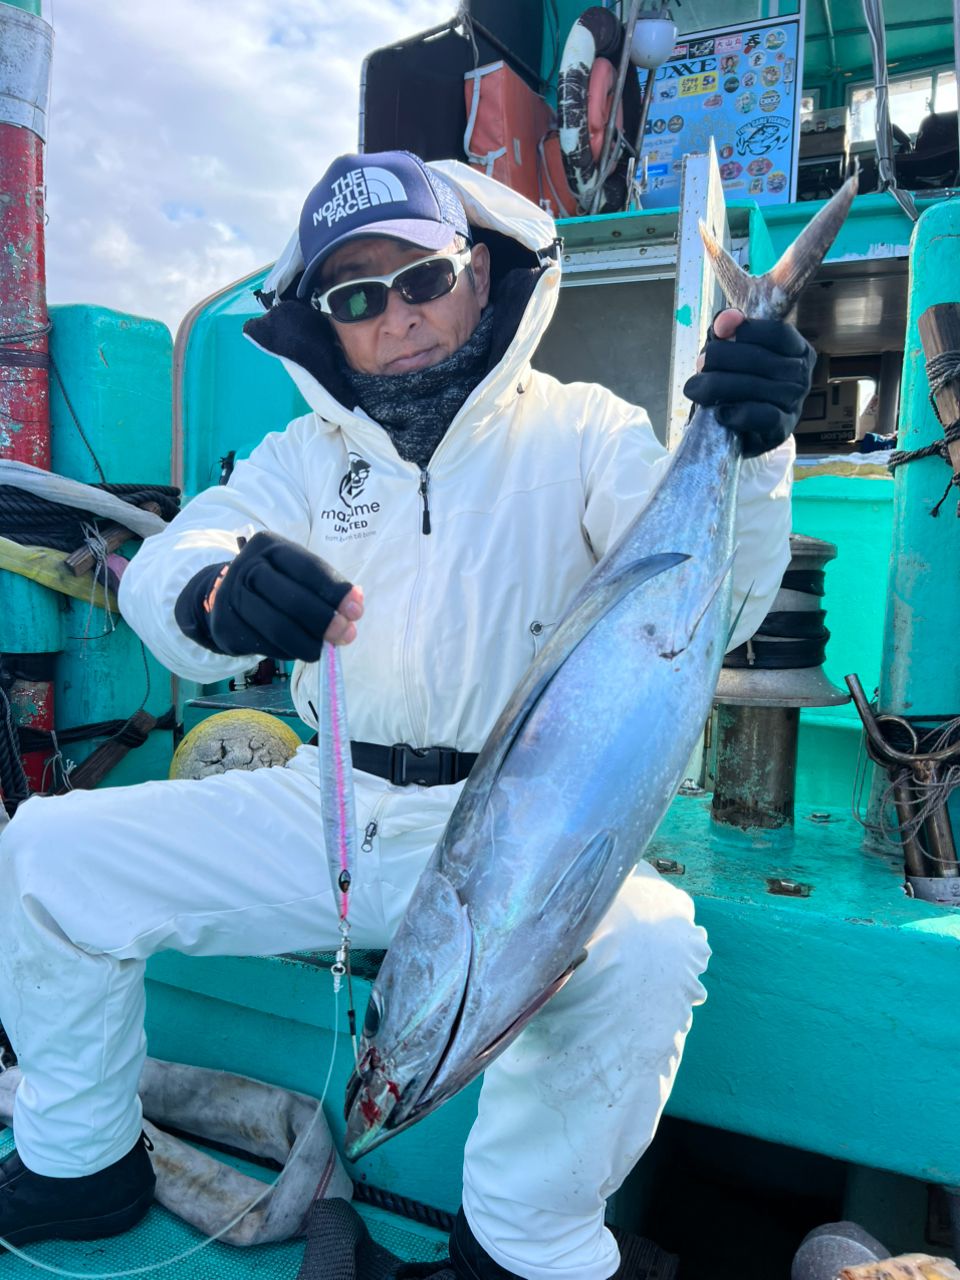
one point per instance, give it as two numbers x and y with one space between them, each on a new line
533 480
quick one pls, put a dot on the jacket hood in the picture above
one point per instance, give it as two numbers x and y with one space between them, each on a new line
525 265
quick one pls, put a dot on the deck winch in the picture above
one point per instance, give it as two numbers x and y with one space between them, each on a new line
763 685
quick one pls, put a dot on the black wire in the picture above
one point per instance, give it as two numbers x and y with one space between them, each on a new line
76 421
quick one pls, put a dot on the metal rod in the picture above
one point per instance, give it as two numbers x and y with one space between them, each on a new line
938 833
956 52
831 38
641 127
604 165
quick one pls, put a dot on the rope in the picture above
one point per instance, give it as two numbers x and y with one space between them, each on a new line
25 359
32 521
941 370
32 739
413 1210
13 780
787 639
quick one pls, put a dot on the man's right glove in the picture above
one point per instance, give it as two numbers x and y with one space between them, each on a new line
275 598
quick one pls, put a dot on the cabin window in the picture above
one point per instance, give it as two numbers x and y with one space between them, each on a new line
704 15
809 103
911 98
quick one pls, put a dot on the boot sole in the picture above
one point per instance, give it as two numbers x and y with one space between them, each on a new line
108 1224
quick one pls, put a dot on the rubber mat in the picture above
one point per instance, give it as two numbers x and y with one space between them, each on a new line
161 1237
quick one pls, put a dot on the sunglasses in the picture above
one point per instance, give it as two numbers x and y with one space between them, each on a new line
367 298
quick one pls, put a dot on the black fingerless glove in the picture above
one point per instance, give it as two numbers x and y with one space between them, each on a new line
277 599
757 381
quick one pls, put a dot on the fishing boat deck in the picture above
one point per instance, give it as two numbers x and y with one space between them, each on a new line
161 1236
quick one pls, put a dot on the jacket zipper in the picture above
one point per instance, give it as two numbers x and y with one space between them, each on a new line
423 492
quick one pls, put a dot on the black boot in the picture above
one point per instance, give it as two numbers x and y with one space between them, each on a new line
35 1207
467 1261
470 1260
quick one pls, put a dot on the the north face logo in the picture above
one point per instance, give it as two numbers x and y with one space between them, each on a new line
360 189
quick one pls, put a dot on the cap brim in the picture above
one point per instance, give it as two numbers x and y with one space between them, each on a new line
417 232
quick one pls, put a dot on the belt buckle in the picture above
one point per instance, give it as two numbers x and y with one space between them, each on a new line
421 766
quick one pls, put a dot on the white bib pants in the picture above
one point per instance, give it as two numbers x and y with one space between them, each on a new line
93 883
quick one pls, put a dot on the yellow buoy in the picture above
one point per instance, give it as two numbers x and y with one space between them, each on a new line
239 739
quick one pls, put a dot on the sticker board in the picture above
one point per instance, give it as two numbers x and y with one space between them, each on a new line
740 86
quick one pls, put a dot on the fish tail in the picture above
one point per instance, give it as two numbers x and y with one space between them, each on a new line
772 295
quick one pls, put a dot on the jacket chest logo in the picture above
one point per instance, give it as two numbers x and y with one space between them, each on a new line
350 518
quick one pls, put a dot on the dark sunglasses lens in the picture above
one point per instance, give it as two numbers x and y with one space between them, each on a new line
426 281
358 302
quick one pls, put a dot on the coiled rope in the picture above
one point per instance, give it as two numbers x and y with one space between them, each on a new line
941 369
32 521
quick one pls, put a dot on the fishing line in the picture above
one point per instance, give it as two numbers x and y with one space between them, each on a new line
194 1249
339 830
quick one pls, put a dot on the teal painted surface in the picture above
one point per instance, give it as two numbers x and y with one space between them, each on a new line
875 226
856 515
233 394
161 1236
30 617
924 610
829 1019
28 6
762 256
273 1018
116 370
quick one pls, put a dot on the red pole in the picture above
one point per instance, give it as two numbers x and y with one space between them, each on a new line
24 375
24 350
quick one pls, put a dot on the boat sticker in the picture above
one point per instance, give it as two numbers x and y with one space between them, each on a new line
724 85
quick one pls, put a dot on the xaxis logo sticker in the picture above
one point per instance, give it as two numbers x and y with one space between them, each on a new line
359 189
350 517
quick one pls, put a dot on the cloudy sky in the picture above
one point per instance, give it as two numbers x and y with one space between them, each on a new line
184 135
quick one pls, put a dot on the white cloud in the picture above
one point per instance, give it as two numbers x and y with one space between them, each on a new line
184 137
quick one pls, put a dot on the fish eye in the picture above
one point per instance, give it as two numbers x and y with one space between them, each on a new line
371 1020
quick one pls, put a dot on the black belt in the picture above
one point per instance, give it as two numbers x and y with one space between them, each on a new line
405 766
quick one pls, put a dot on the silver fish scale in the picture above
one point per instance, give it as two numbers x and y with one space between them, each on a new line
576 774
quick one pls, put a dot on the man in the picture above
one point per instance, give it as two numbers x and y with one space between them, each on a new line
470 496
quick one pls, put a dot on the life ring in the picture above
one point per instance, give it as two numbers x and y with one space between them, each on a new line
588 73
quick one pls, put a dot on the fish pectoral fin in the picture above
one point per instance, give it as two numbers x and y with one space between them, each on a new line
688 629
571 896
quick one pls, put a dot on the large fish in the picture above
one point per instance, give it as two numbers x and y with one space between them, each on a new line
576 774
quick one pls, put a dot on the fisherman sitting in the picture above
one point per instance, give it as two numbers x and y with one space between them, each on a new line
471 496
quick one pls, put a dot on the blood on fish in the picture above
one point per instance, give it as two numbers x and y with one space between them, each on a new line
371 1112
394 1089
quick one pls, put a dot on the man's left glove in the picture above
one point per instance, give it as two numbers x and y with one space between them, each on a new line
274 598
757 381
